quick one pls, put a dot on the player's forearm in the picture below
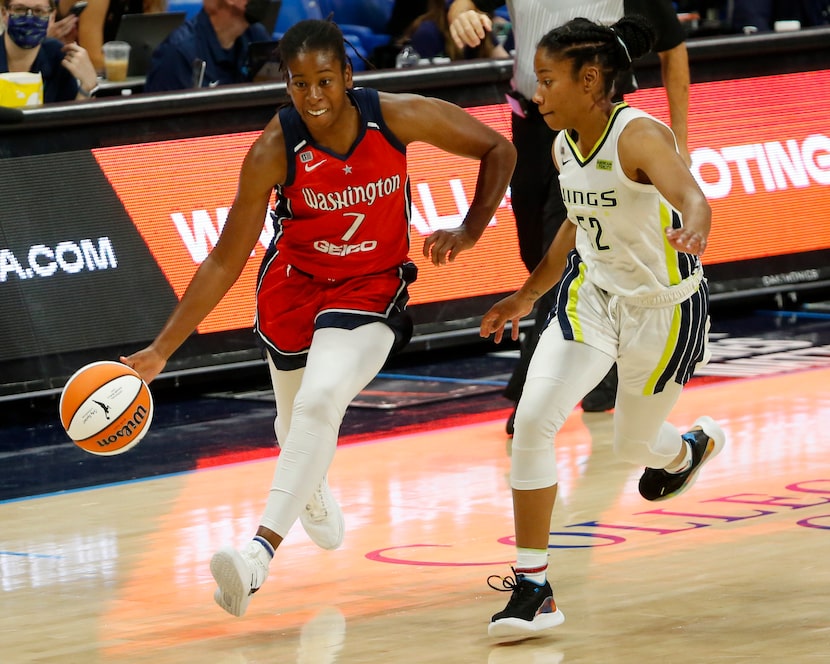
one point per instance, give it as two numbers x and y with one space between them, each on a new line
675 69
549 271
208 286
493 179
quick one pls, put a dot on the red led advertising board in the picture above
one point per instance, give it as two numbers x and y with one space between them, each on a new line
100 261
761 153
760 150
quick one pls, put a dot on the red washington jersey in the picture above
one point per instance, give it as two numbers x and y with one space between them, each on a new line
343 215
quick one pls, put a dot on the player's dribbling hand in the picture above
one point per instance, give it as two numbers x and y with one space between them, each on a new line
512 308
686 240
443 246
147 362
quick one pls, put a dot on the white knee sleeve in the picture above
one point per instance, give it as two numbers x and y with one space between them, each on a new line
533 468
340 364
561 372
641 434
285 384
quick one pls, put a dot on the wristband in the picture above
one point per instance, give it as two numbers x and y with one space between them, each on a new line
86 94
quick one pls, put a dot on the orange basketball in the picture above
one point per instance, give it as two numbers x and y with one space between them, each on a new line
106 408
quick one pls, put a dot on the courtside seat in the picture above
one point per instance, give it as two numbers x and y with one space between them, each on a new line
362 22
374 14
293 11
368 38
365 18
356 48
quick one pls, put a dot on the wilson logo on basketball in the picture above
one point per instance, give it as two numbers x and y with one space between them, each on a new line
106 408
129 428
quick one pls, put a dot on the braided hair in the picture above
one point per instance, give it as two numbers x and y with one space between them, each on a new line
312 35
612 48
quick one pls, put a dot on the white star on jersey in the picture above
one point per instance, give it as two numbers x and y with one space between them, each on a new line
347 169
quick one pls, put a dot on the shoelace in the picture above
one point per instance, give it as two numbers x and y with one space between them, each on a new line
317 514
509 583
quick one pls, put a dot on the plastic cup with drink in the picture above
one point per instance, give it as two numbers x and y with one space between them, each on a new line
116 60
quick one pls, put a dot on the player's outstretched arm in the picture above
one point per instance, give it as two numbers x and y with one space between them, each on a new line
544 277
264 166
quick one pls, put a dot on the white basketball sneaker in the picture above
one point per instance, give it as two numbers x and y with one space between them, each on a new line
239 575
322 518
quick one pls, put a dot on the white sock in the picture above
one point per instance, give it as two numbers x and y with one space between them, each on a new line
259 553
262 548
685 463
532 564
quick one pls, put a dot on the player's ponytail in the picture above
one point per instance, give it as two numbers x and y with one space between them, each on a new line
612 48
635 37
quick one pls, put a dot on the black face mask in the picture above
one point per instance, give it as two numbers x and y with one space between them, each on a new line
256 10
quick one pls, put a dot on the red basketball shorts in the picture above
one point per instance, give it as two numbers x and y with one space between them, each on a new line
292 304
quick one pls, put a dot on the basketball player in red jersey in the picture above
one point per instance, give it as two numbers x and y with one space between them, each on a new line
332 290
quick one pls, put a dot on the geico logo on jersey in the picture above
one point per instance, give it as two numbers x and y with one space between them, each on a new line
69 257
344 249
779 165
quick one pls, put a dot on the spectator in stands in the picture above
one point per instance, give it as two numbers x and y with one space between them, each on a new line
100 20
404 12
210 49
63 28
65 69
429 35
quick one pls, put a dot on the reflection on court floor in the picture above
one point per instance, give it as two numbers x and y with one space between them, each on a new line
732 571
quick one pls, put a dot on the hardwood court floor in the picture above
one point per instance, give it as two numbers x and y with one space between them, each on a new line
735 570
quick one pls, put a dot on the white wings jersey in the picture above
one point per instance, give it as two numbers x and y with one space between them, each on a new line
620 223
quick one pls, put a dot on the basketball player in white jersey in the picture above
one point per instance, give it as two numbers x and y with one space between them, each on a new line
632 292
534 188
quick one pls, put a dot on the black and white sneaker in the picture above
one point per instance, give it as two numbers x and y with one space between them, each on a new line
706 440
530 610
